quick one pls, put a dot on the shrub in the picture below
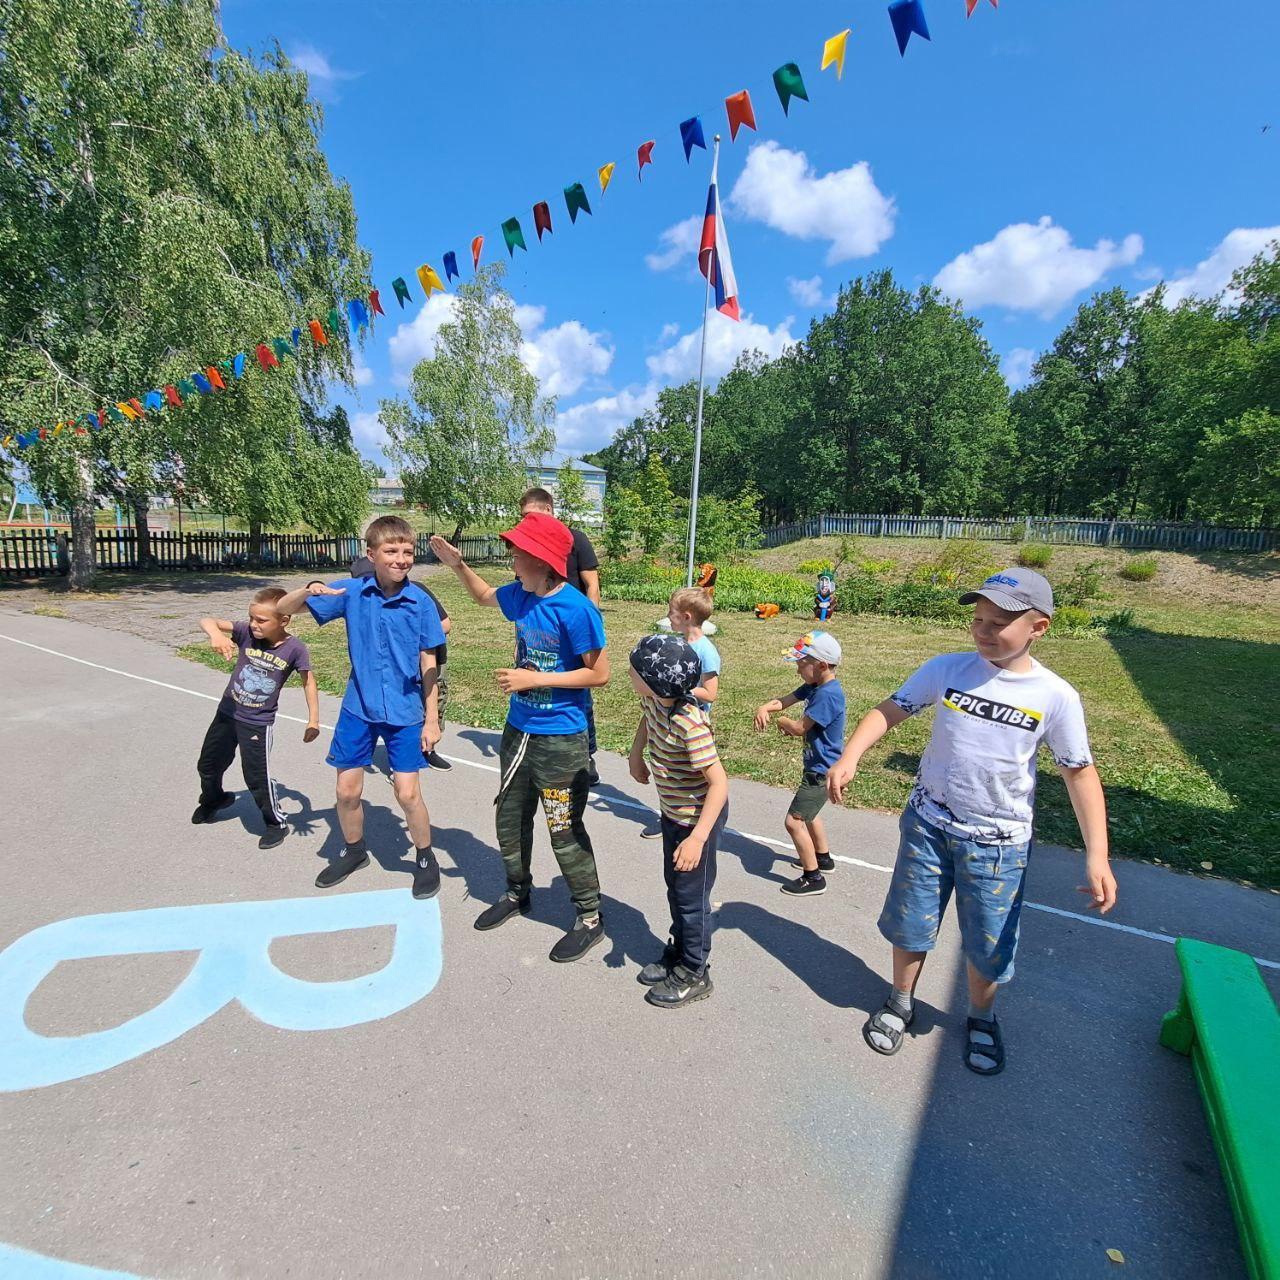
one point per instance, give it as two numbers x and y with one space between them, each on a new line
1070 617
1120 621
962 560
815 566
1034 555
875 566
922 600
859 593
1140 570
1085 584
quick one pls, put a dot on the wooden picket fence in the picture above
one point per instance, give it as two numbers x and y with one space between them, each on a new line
1136 535
30 553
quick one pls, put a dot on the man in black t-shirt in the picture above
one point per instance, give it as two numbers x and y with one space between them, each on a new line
583 573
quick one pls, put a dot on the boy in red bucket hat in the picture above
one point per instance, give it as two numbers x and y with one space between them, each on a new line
560 655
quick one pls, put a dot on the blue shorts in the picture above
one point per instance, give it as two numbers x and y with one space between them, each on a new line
354 740
987 879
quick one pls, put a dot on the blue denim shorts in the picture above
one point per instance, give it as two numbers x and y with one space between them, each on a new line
354 740
987 879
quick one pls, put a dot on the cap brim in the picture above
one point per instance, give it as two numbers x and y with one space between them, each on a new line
1001 600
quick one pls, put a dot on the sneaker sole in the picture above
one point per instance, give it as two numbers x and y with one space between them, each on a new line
484 928
595 942
329 884
421 896
808 893
275 844
210 815
702 995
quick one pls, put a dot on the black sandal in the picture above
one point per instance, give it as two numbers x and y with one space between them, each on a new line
975 1048
877 1024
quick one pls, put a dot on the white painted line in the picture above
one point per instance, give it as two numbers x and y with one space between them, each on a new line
626 803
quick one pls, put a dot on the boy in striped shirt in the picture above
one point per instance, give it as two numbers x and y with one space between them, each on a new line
693 793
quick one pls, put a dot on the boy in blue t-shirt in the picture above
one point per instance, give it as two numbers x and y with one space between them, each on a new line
393 632
560 655
822 727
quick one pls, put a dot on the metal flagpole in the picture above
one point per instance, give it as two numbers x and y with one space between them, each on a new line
702 366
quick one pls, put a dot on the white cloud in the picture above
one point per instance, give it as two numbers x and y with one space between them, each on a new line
368 433
808 293
726 341
1032 267
680 244
562 358
779 188
1210 277
1016 366
589 426
669 331
361 374
323 76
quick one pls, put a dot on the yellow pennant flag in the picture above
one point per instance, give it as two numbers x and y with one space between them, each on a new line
833 52
127 409
606 176
429 281
58 428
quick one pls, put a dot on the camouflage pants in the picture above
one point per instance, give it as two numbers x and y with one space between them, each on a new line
551 768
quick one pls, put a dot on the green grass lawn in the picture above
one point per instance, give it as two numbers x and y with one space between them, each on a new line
1181 713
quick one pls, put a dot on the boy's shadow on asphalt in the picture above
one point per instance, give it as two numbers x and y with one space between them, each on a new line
485 741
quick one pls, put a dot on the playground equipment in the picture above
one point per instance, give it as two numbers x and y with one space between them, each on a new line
1227 1022
824 597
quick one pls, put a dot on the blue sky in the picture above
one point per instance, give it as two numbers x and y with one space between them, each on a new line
1022 159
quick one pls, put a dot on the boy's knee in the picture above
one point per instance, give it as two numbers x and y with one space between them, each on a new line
350 790
794 822
408 790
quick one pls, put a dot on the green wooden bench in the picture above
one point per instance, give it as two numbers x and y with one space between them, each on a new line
1227 1022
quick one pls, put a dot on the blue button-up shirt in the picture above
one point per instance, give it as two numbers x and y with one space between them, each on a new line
385 637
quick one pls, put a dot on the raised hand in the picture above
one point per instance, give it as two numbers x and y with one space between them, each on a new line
445 552
320 589
224 647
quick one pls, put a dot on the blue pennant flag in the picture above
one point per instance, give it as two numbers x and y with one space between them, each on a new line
296 335
153 401
357 313
907 17
691 135
237 364
450 265
203 385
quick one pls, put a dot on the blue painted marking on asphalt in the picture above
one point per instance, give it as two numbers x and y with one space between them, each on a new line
19 1264
233 939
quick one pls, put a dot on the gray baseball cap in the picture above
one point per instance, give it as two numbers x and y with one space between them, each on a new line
1016 590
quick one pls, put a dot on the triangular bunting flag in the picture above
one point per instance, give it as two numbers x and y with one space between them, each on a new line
907 17
203 385
476 245
187 388
357 313
451 266
215 378
237 364
318 335
136 407
266 358
691 135
575 198
541 218
971 5
281 347
644 154
833 52
296 337
154 401
402 291
429 280
375 303
605 174
738 108
172 396
334 321
128 410
789 83
112 412
514 237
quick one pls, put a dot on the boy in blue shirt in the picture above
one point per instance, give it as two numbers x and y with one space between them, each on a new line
822 727
560 656
393 631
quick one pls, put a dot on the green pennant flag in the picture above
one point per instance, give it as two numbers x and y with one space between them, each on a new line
512 234
114 414
789 83
186 388
576 198
281 347
334 321
224 368
402 290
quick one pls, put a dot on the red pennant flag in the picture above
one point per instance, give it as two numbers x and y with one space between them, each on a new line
172 396
541 218
476 245
102 416
971 5
266 357
739 110
375 303
644 153
137 408
318 335
215 379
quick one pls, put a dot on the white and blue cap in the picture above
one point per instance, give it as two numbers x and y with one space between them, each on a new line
1016 591
815 644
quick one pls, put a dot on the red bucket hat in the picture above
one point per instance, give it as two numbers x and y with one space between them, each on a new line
545 537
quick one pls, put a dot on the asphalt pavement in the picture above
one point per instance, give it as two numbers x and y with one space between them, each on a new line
211 1068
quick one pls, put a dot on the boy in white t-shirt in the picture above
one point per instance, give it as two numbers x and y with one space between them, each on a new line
967 825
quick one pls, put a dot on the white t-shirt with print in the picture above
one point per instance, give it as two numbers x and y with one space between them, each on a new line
977 777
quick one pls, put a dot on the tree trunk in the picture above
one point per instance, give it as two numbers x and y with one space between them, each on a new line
255 542
141 510
83 566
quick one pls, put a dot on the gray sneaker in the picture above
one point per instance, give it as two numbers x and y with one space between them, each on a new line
681 987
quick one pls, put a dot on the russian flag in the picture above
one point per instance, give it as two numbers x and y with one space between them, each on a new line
713 254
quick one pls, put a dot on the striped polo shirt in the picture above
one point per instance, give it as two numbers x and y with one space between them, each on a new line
680 748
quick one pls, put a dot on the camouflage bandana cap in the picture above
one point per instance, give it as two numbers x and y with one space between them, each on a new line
667 664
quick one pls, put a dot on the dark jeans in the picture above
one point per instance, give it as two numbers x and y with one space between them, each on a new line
551 768
227 734
689 892
591 725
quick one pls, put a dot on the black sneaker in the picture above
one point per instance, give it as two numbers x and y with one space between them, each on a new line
578 941
502 911
593 774
437 761
273 836
205 812
825 863
426 877
682 986
660 970
809 884
336 872
651 833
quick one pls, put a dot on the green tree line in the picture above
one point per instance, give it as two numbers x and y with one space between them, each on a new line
894 403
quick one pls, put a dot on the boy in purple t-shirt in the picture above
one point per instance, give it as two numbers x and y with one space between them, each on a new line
265 655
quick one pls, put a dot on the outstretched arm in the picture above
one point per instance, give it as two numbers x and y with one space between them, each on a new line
771 708
449 556
294 600
1085 789
219 632
871 728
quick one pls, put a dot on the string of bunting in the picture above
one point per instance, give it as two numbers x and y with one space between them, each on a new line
907 19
